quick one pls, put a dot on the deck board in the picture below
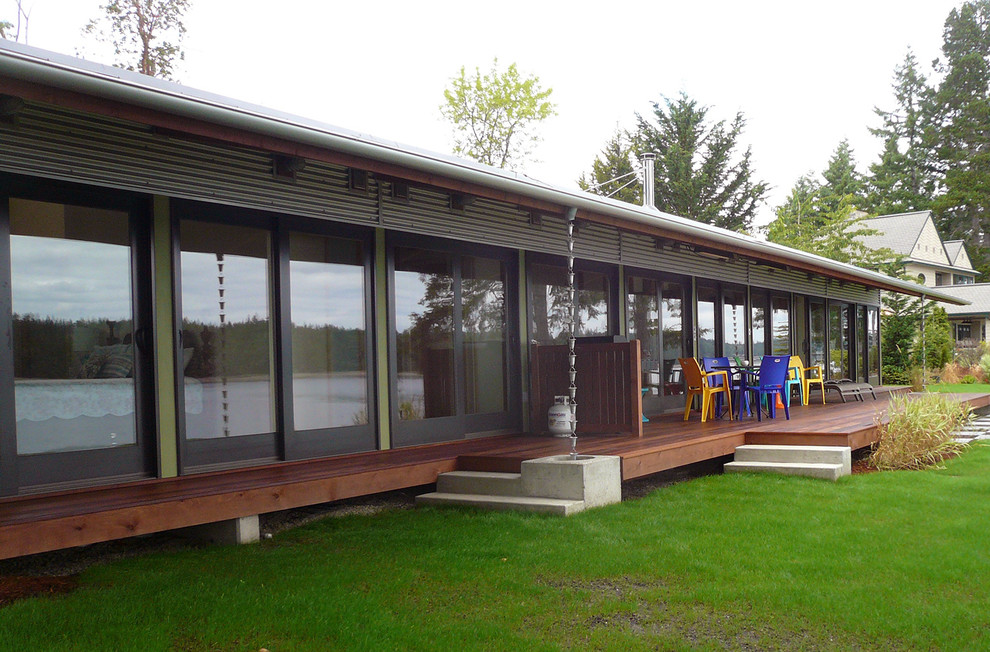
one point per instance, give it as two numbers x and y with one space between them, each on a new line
37 523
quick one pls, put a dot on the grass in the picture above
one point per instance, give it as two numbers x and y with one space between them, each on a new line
893 560
960 388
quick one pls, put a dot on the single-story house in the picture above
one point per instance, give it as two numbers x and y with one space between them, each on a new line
191 284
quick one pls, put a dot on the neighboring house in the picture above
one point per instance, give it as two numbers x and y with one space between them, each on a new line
969 323
195 290
944 264
914 237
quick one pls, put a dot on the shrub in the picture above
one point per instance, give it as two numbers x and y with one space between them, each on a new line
893 375
953 372
968 379
985 364
919 432
916 378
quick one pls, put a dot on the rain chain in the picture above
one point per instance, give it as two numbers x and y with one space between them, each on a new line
571 340
223 347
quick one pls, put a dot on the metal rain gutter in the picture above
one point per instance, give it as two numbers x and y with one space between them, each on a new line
41 66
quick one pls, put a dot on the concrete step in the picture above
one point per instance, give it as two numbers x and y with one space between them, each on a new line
806 454
480 482
808 469
558 506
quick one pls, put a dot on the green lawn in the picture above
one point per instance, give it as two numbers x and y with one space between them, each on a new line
979 388
893 560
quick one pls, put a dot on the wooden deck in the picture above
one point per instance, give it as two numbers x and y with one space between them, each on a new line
31 524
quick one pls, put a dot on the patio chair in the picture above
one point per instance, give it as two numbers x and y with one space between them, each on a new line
847 387
697 382
795 378
768 384
723 364
809 376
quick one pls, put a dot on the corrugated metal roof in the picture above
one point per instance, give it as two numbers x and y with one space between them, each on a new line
39 66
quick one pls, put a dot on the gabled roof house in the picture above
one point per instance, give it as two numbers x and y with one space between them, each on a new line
197 292
937 263
915 237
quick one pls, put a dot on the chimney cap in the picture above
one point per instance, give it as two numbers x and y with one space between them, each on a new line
648 156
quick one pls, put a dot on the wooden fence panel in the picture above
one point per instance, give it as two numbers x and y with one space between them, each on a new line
609 386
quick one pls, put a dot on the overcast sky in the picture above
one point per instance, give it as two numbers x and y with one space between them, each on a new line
806 75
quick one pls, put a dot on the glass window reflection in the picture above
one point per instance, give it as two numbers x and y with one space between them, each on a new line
72 327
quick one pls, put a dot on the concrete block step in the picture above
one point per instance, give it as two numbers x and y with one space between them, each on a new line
810 454
808 469
480 482
556 506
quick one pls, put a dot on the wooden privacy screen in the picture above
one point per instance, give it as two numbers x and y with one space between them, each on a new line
609 389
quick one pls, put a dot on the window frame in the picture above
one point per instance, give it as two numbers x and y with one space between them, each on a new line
459 424
95 466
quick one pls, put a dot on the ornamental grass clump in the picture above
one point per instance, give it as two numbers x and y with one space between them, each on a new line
919 432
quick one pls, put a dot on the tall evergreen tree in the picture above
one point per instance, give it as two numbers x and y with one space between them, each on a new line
842 181
699 173
960 128
612 172
902 179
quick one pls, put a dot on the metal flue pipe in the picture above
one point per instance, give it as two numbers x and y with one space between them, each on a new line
649 160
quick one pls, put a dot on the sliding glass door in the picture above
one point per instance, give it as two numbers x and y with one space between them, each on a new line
655 316
77 407
451 323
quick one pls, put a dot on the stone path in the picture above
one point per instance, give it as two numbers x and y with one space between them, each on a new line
978 428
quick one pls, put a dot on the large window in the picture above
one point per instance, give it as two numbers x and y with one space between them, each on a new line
75 307
275 346
550 303
226 330
707 302
451 329
734 322
780 325
73 327
424 333
329 356
655 316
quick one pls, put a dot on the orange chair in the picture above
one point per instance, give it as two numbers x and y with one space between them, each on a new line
809 376
697 382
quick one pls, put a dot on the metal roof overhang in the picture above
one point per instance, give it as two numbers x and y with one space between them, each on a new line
48 69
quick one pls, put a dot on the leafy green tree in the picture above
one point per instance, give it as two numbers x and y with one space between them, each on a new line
494 114
612 172
699 173
902 179
804 222
146 35
960 128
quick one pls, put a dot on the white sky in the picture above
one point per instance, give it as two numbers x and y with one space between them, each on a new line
804 74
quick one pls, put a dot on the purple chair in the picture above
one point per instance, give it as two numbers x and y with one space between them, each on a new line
735 382
768 384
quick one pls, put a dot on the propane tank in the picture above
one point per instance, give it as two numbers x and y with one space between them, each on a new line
559 417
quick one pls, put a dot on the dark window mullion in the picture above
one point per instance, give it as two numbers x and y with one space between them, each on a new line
282 334
8 422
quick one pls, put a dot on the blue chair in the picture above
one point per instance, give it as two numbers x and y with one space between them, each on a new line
735 382
768 384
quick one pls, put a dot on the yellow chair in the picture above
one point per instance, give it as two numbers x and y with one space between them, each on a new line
697 382
809 376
